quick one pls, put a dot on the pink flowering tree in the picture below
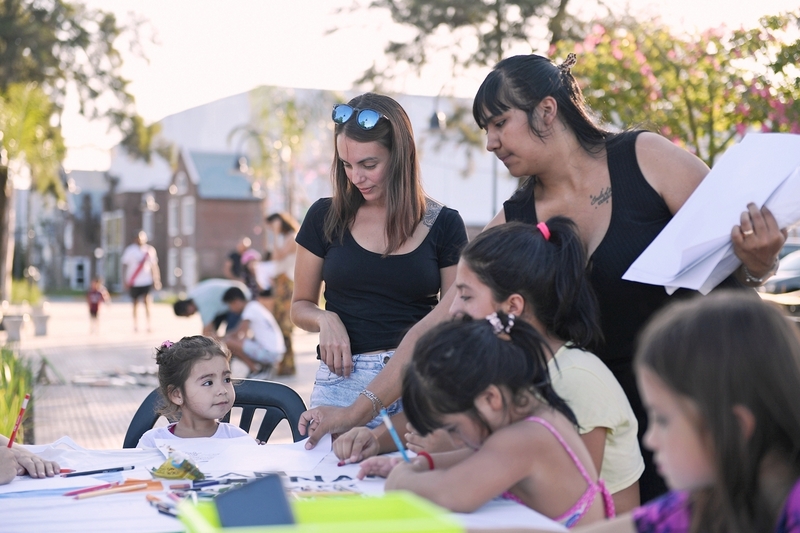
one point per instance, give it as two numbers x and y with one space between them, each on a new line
701 91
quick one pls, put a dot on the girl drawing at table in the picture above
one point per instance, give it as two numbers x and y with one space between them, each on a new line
720 377
539 274
194 376
486 382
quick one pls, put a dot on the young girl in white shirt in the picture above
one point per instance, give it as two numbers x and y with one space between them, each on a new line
194 376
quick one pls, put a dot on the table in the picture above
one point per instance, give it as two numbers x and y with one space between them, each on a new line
39 505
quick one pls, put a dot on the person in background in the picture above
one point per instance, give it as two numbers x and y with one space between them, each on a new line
283 228
206 298
250 259
141 274
96 295
257 340
232 269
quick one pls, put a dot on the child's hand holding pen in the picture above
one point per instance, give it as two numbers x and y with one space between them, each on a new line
382 466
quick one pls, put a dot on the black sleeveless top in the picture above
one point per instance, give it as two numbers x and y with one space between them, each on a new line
638 214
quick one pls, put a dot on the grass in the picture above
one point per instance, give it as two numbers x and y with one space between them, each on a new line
16 379
22 291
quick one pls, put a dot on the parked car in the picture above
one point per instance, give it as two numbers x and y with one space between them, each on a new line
787 278
792 244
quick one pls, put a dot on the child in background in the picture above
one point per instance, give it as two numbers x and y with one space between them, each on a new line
720 377
539 274
486 382
96 295
194 377
257 340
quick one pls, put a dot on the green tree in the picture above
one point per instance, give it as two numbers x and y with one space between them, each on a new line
46 47
472 32
701 91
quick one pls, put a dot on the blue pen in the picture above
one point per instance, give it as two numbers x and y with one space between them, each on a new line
393 433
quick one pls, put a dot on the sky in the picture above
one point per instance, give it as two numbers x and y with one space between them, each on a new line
201 50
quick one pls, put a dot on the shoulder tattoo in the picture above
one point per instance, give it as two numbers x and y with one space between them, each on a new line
432 210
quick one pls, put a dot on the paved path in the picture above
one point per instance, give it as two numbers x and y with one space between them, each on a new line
96 416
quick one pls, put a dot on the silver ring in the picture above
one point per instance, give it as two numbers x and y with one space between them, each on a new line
748 232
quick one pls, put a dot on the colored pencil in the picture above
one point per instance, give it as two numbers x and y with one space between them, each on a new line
101 471
91 489
395 436
19 420
115 490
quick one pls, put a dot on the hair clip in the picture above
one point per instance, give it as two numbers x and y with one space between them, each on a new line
166 344
497 324
544 229
568 63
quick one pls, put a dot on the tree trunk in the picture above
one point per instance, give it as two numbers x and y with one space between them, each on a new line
7 220
556 25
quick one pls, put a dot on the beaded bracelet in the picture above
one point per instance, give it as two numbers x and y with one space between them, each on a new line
377 404
427 456
752 279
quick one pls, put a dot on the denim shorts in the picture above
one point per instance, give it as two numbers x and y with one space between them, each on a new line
340 391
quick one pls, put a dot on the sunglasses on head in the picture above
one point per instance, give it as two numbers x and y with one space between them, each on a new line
365 118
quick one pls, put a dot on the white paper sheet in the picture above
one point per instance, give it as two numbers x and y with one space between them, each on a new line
201 450
694 250
270 458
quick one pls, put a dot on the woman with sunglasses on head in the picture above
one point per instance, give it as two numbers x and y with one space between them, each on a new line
384 250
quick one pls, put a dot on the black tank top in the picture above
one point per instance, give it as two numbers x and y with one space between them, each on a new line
638 214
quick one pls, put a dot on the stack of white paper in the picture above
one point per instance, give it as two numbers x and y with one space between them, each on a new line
694 250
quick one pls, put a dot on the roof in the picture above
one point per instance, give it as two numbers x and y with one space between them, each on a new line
216 178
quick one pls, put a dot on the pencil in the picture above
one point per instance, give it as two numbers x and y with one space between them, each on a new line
100 471
91 489
395 436
122 488
19 420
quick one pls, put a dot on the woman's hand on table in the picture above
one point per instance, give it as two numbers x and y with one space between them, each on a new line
757 240
319 421
356 445
435 442
334 345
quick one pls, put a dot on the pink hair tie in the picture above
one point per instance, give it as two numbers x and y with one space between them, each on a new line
167 344
544 229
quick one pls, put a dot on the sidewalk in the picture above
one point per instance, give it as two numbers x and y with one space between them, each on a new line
97 415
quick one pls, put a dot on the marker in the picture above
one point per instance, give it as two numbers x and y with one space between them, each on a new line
19 420
208 483
395 437
101 471
122 488
347 461
65 471
91 489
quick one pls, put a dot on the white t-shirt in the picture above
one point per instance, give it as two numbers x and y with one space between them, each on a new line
266 331
597 399
224 431
131 258
285 265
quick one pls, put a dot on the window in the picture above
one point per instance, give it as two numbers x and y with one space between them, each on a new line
187 215
172 217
